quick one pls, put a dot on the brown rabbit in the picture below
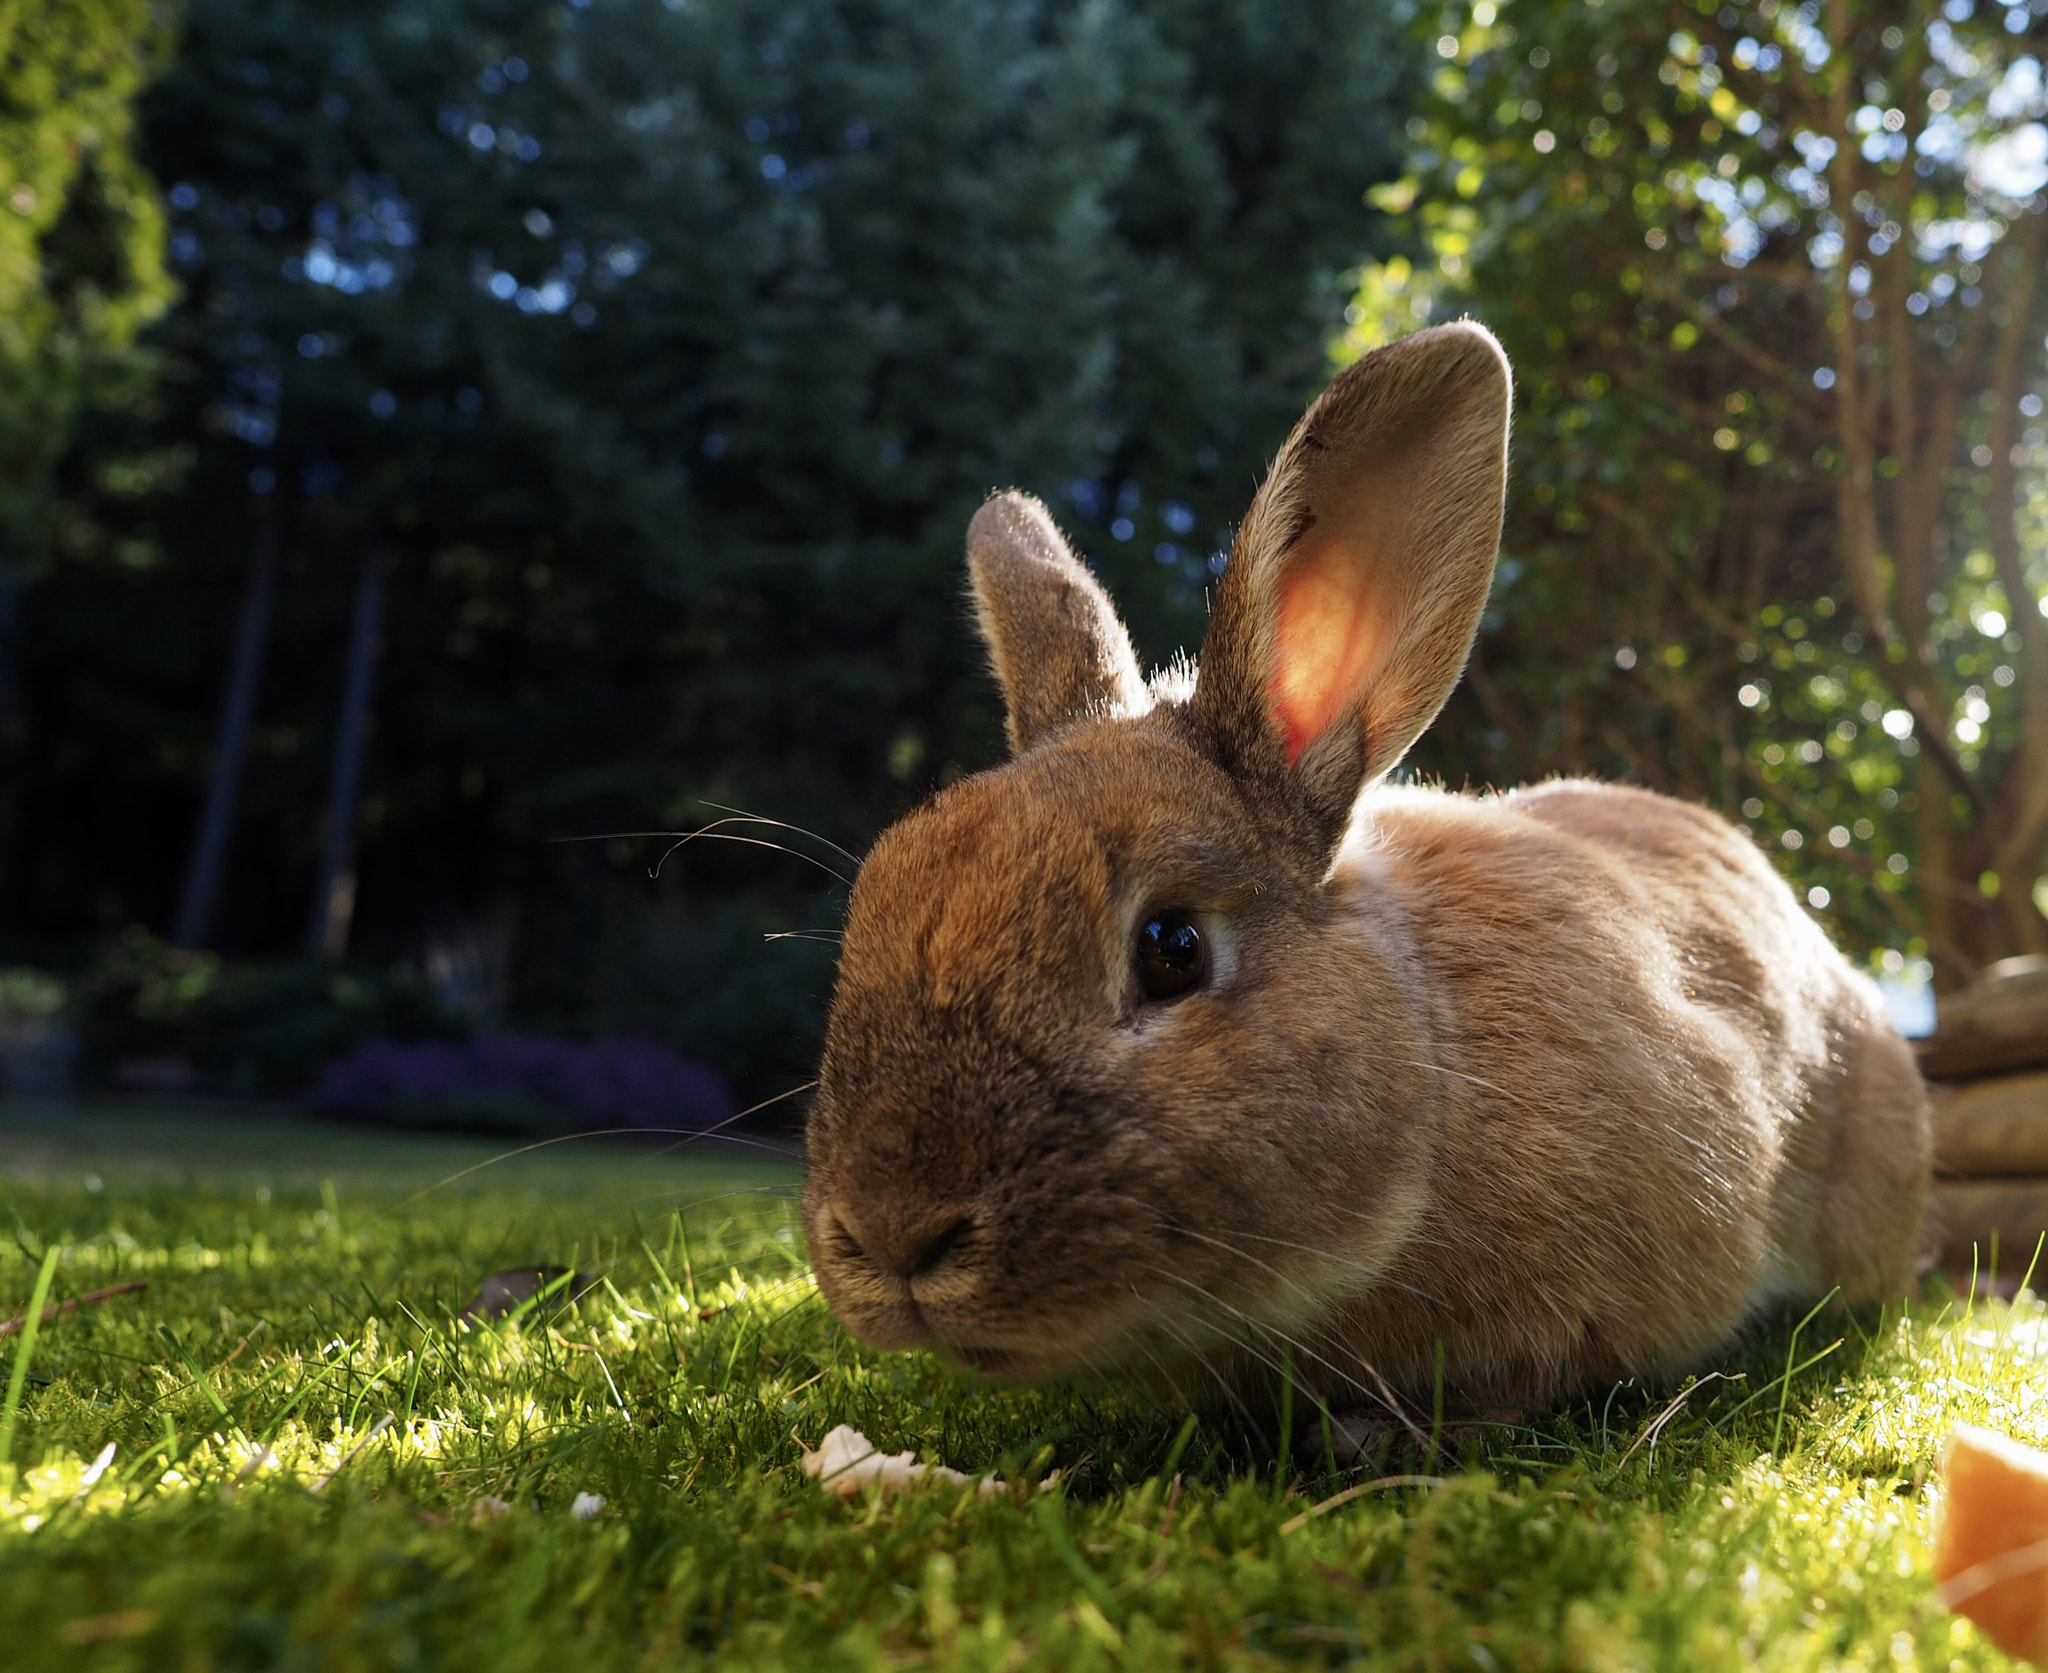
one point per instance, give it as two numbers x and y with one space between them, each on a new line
1173 1046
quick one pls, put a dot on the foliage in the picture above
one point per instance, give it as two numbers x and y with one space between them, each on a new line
243 1027
1769 274
668 350
724 982
28 996
253 1512
81 229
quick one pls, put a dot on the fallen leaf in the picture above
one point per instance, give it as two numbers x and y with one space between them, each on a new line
846 1461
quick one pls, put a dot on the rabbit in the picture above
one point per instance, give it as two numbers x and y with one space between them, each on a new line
1181 1050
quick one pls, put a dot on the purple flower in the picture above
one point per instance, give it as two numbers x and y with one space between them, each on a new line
521 1078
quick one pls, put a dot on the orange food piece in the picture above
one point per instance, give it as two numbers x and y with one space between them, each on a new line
1991 1539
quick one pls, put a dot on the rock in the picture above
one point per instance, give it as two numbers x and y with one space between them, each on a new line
506 1292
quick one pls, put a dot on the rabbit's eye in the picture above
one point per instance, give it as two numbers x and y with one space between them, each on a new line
1171 957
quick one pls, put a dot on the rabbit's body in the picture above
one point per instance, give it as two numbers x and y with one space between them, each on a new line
1649 1104
1162 1052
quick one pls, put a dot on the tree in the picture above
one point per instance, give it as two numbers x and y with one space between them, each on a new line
1771 276
81 261
667 352
81 231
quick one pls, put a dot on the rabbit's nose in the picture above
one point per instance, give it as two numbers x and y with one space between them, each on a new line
907 1246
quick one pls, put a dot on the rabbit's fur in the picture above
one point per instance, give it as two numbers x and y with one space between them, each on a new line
1561 1085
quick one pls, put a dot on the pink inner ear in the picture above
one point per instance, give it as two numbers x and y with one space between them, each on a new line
1327 643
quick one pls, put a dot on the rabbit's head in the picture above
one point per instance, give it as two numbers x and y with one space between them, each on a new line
1108 1075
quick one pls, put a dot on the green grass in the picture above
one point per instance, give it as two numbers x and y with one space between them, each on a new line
301 1287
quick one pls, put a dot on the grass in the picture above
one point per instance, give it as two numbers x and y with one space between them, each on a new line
301 1288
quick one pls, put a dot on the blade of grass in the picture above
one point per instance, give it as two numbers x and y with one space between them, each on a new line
733 1358
383 1423
1046 1507
1785 1382
689 1270
545 1293
667 1283
309 1386
1385 1484
1436 1404
32 1318
1804 1365
1280 1474
200 1378
412 1387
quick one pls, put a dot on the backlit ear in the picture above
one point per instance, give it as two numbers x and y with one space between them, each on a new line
1052 633
1358 577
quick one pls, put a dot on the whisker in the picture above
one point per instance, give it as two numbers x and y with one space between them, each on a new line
751 1109
1416 1236
734 1141
682 1198
1165 1371
682 839
717 835
1230 1394
831 937
1248 1344
1382 1392
1438 1068
1181 1228
762 819
1373 1273
1231 1249
607 836
690 1135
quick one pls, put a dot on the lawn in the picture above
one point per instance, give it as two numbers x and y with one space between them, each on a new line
303 1285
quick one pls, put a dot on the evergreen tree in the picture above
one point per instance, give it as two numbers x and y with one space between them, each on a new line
81 233
81 266
667 351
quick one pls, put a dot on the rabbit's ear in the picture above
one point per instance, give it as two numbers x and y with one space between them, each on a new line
1358 577
1052 633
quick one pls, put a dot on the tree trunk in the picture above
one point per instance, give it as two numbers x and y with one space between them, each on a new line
2023 802
199 900
11 590
10 640
334 892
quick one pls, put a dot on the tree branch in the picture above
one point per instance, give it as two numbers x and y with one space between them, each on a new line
2023 798
1722 332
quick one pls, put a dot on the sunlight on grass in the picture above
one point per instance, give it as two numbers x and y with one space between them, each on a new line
316 1460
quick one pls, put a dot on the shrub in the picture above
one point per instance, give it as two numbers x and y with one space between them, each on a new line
263 1029
707 982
